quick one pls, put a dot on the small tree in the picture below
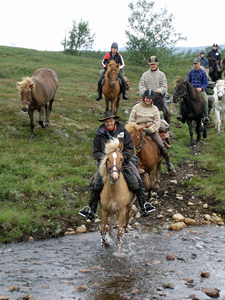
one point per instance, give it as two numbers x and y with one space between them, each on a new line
151 31
80 37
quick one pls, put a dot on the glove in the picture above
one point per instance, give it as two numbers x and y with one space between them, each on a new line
147 132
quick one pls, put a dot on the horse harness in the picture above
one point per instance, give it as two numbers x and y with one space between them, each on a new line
110 170
142 142
183 96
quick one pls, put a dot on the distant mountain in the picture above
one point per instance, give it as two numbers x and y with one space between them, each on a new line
194 49
185 49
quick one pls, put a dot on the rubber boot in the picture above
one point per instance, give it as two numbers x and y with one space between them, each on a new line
170 167
124 88
89 211
146 207
99 92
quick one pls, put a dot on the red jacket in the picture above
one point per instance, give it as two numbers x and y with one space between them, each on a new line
117 58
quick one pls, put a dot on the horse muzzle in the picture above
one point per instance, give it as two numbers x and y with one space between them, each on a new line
176 98
24 109
220 95
114 178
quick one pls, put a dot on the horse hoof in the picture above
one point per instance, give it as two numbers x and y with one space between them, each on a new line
191 146
204 135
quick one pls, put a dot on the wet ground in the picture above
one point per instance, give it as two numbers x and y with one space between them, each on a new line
54 269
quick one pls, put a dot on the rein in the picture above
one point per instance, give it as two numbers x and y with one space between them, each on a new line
141 145
111 80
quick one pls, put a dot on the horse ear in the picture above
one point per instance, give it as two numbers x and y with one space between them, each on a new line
121 146
141 128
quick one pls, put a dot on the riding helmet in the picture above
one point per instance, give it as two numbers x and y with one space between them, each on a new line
202 52
149 94
114 45
215 45
153 60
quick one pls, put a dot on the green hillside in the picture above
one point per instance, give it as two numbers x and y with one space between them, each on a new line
44 183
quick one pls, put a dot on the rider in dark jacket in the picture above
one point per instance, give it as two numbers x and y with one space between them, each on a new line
117 57
108 130
214 53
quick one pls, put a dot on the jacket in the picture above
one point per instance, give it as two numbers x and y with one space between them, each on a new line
214 54
154 80
102 137
117 58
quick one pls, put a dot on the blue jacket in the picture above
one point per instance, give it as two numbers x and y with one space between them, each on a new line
204 62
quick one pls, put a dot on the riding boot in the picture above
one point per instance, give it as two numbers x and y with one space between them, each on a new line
146 207
99 92
124 88
89 211
163 150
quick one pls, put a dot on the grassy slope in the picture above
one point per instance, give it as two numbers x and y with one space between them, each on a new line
44 183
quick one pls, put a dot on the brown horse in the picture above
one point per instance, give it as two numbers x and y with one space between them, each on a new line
148 154
116 199
193 107
111 88
36 92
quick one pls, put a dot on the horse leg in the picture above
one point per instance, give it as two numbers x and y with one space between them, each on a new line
121 218
189 122
222 120
31 115
217 121
151 180
113 106
128 216
111 218
41 112
107 103
48 110
104 217
158 169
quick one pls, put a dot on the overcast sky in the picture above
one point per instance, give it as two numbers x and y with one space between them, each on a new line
42 24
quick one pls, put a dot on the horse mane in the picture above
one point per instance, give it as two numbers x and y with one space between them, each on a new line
113 65
26 84
110 147
220 83
131 127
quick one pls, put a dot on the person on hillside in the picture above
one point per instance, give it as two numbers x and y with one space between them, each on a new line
204 61
147 114
198 78
214 53
155 80
117 57
111 128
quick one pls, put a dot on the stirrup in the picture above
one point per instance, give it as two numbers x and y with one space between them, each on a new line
84 212
150 207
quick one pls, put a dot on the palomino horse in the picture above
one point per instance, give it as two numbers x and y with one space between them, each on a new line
193 107
111 88
116 199
149 156
36 92
219 107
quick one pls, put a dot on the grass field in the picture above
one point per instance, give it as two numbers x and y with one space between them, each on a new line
44 183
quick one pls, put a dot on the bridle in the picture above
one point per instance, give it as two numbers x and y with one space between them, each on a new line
112 79
141 144
113 168
179 97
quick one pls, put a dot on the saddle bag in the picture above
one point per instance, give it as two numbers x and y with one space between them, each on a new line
164 126
211 84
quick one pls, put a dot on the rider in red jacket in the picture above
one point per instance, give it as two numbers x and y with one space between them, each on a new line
117 57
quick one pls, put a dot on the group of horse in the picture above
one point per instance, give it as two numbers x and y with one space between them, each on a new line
38 93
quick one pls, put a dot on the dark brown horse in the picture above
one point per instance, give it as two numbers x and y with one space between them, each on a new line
111 88
213 73
193 107
37 92
148 154
223 66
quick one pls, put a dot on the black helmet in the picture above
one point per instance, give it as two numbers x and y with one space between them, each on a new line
202 52
149 94
215 45
153 60
114 45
